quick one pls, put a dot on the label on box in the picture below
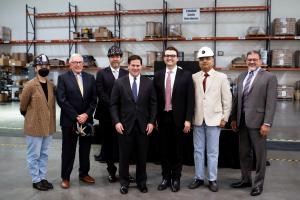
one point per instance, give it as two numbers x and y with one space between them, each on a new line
242 38
281 62
190 14
283 30
283 93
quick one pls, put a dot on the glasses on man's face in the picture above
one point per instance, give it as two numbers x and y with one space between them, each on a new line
170 56
77 62
252 60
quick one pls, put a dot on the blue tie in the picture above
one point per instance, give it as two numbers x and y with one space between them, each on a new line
247 84
134 89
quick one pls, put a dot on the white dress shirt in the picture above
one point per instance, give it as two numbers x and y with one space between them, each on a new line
115 72
137 82
254 75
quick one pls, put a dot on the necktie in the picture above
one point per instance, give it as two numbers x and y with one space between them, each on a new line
80 85
115 73
168 92
134 89
204 81
247 84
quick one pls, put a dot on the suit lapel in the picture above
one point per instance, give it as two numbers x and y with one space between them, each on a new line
200 81
128 87
177 80
209 82
257 78
141 88
50 93
240 86
73 79
162 82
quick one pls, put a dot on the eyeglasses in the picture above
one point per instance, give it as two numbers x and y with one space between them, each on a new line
254 60
77 62
170 56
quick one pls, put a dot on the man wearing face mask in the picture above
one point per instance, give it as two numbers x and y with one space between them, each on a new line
37 105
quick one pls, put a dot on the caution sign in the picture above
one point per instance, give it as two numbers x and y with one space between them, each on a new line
190 14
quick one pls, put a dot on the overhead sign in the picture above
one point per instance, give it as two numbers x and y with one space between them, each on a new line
190 14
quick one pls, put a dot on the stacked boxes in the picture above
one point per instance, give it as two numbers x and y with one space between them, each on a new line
284 26
102 33
282 58
285 92
174 30
154 29
5 33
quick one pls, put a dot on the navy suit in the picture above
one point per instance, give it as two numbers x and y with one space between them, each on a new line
134 117
72 104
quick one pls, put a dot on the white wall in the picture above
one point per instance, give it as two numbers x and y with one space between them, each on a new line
12 14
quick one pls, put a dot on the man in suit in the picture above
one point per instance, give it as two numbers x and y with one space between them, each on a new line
104 83
133 112
175 97
252 113
77 98
212 109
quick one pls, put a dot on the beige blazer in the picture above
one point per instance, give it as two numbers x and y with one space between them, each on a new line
215 104
40 114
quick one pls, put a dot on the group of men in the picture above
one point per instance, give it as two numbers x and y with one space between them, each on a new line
130 106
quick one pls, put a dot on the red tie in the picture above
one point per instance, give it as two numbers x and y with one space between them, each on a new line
204 81
168 92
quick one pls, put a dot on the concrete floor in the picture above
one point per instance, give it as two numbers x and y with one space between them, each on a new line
282 178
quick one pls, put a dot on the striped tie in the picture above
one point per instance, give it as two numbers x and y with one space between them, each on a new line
247 85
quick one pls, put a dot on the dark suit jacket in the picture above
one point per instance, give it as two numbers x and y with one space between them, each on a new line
125 110
104 83
261 100
70 100
183 96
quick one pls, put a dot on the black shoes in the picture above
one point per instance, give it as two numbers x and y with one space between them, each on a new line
39 186
196 183
112 178
241 184
175 185
99 158
124 189
213 186
256 191
163 185
47 185
143 188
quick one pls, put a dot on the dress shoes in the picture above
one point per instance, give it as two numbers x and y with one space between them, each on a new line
112 178
163 185
131 179
213 186
39 186
124 189
241 184
256 191
143 188
47 184
65 184
87 179
175 185
196 183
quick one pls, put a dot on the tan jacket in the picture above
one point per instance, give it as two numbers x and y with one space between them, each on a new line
40 114
215 104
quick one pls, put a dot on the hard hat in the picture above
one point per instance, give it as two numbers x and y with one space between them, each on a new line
205 52
41 59
114 51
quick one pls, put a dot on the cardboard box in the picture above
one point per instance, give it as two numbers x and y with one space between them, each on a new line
18 63
4 61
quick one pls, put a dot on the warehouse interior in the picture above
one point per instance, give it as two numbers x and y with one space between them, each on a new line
59 28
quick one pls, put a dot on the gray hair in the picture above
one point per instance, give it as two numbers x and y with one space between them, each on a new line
74 56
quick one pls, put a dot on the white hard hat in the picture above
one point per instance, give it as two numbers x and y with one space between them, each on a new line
205 52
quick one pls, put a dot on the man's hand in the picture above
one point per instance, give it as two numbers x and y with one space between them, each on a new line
149 128
119 128
187 127
264 130
234 126
82 118
222 123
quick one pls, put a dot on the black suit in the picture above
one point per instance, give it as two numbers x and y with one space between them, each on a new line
104 84
134 117
171 124
73 104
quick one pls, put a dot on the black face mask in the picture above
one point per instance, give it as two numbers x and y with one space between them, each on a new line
43 72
